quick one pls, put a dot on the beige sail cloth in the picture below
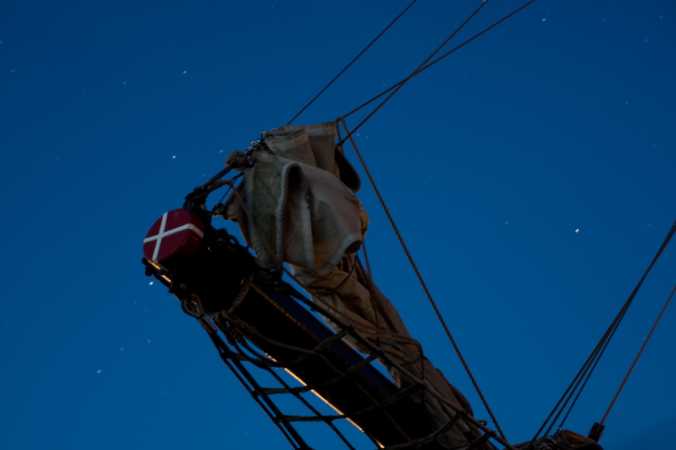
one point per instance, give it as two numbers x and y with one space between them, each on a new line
297 205
299 210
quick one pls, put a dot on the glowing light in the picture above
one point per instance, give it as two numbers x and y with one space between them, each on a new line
326 402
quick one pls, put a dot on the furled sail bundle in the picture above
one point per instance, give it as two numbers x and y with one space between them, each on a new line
297 205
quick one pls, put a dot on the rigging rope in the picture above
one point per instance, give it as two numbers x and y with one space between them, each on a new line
421 280
579 382
614 326
340 73
428 63
665 306
418 69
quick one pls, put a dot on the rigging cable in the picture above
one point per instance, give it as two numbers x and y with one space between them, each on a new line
665 306
397 86
421 280
581 384
583 376
612 329
366 48
392 90
427 63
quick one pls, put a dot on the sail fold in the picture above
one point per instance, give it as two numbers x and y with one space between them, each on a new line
298 206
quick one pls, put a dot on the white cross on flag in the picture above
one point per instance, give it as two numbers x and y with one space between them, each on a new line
177 231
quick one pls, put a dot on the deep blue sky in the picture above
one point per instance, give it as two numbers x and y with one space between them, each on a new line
110 112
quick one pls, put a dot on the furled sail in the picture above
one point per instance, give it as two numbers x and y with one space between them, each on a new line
297 205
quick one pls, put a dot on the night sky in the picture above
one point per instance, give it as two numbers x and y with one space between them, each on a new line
533 174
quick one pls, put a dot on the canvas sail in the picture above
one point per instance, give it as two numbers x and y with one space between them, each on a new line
298 205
